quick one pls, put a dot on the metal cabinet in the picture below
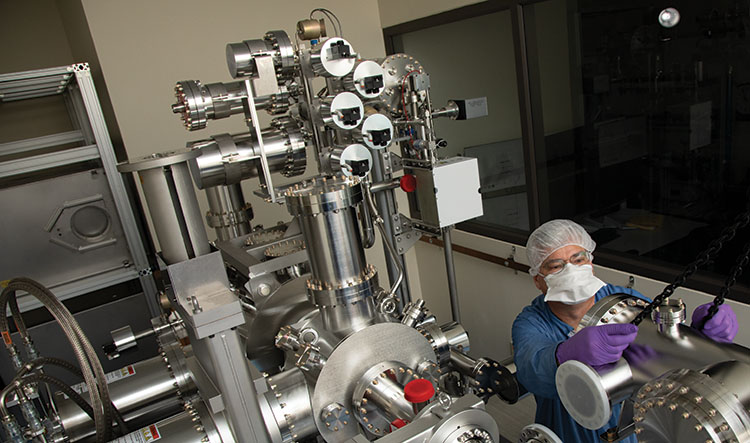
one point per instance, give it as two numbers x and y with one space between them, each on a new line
66 217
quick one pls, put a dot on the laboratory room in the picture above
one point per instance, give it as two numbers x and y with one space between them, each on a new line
329 221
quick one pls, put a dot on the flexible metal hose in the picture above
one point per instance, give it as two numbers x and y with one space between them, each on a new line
91 368
70 367
48 379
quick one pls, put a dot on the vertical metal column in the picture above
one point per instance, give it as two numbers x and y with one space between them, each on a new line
387 208
119 194
229 214
450 269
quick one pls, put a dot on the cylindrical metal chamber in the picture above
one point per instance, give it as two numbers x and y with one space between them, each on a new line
588 394
143 393
229 214
228 159
325 208
286 407
172 203
342 283
193 425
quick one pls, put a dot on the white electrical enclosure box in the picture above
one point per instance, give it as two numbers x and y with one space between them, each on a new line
449 193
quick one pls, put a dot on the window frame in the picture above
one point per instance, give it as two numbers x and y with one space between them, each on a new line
532 137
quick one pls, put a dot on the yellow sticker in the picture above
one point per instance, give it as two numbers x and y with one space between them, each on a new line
4 283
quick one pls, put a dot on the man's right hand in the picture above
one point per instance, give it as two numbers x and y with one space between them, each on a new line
597 345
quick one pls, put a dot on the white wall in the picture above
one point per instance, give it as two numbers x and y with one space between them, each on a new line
393 12
491 295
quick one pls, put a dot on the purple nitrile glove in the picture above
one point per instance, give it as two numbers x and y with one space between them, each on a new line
597 345
722 327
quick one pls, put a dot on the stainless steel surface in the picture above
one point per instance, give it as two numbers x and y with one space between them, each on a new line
41 162
289 400
172 204
43 235
354 356
227 159
378 399
284 306
669 316
536 433
152 381
688 406
229 214
212 313
654 354
450 270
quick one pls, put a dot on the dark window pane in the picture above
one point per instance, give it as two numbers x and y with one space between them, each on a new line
646 127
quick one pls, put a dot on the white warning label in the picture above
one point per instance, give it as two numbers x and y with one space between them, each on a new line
119 374
143 435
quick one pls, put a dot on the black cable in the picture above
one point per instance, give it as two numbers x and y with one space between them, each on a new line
70 392
70 367
85 354
736 271
704 257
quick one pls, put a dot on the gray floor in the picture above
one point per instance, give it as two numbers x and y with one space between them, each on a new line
512 418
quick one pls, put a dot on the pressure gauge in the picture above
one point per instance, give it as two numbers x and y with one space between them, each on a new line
377 131
347 110
369 79
337 57
356 160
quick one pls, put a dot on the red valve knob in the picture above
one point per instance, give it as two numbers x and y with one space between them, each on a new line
418 391
408 182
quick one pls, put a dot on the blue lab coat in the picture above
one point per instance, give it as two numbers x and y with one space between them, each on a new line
536 334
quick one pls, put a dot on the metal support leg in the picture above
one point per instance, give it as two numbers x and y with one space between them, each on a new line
451 271
386 207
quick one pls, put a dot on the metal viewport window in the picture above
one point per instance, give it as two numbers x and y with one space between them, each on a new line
601 113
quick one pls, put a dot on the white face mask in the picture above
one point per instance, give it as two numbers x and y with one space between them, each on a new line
573 285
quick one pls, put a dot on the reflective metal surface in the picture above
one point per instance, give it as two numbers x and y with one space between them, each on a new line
229 213
153 382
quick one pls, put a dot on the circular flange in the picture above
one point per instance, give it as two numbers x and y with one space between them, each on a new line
323 195
616 308
283 248
689 406
536 433
367 412
353 357
583 395
397 67
478 422
345 292
265 236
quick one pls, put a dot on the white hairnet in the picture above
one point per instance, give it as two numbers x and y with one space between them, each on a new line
553 235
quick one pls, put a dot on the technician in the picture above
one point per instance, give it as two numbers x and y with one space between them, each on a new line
560 260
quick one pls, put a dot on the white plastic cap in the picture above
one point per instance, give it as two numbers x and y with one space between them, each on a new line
553 235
